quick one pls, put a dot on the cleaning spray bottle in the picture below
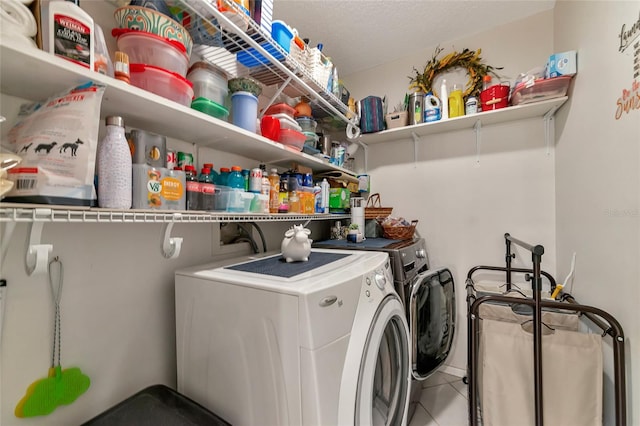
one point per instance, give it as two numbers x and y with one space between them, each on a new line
68 32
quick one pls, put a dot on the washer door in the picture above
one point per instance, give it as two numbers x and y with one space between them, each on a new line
383 383
432 313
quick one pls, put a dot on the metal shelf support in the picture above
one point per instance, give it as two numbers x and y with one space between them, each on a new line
477 129
549 128
416 140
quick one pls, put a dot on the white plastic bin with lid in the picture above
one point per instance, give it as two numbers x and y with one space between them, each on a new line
209 82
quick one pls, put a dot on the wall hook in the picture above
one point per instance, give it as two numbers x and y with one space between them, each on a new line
171 245
37 256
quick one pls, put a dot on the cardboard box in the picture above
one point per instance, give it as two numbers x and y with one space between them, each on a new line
562 64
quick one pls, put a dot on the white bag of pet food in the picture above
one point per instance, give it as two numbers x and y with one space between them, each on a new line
57 140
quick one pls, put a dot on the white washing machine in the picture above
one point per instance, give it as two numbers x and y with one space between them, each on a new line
324 342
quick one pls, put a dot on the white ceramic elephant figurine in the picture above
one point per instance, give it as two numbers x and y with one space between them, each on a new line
296 245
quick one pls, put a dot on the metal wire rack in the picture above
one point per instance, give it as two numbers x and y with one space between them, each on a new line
243 48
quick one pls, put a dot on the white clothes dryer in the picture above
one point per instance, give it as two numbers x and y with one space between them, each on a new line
324 342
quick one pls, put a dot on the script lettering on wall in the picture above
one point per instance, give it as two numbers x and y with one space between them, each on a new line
630 38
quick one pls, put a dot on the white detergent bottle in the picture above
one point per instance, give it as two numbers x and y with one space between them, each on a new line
68 32
444 100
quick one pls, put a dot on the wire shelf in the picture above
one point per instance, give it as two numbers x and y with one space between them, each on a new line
42 213
230 47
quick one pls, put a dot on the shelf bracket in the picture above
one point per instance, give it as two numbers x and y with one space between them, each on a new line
365 147
477 129
276 94
171 245
37 256
6 238
416 140
549 128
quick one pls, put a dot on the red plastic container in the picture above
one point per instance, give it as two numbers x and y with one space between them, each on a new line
280 108
495 97
162 82
292 139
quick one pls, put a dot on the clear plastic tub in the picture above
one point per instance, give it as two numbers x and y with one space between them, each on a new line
147 48
292 139
541 90
162 82
307 124
232 199
209 82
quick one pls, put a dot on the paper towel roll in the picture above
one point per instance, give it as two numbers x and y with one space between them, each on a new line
357 216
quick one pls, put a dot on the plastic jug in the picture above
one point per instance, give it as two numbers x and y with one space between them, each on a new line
456 103
431 108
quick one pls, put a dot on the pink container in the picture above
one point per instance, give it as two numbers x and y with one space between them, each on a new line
162 82
146 48
292 139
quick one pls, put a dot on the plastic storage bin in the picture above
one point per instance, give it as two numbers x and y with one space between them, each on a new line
162 82
232 200
209 82
307 124
282 36
287 122
147 48
292 139
541 90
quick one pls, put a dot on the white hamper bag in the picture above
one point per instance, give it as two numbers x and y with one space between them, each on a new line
571 375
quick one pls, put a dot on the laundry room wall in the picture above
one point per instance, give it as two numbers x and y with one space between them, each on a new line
464 200
598 172
118 321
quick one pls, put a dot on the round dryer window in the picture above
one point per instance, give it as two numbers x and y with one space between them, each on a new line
383 387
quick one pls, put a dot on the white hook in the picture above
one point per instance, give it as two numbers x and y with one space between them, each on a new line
171 245
37 257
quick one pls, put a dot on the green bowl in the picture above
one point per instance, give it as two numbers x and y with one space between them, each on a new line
245 84
149 20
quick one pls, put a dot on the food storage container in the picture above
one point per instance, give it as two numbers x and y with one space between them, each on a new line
211 108
540 90
162 82
244 110
287 122
292 139
147 48
209 82
307 124
281 108
150 20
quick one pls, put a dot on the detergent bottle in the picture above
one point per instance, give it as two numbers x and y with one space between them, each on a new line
456 103
431 108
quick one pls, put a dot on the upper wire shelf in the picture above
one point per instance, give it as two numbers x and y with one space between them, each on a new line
269 63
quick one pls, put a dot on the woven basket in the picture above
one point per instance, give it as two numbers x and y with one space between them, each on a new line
373 208
400 232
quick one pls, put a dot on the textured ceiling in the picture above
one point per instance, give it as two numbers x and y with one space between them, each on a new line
360 34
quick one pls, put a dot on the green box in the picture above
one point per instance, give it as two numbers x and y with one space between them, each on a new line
339 198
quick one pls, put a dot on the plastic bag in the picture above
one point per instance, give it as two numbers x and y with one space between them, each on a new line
57 140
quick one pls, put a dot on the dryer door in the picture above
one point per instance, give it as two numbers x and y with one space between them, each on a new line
383 383
432 313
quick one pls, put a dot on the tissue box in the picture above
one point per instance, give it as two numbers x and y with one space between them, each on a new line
561 64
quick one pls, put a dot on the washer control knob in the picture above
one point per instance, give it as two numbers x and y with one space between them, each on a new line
421 254
381 280
368 281
367 293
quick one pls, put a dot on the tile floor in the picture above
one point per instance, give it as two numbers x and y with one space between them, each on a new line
443 402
